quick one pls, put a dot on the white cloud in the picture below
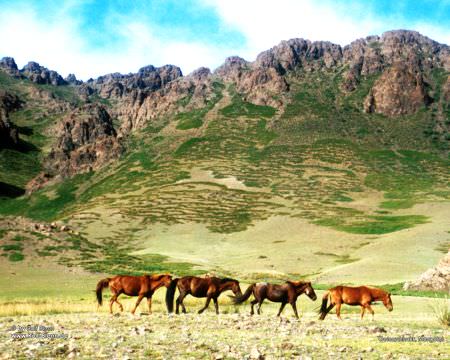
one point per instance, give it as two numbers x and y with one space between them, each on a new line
59 46
265 23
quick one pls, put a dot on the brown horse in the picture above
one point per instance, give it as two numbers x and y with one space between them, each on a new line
284 293
209 287
361 295
140 286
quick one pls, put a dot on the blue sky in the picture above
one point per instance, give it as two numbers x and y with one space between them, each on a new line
91 38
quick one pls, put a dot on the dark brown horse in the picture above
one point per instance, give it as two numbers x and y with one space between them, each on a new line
284 293
361 295
140 286
209 287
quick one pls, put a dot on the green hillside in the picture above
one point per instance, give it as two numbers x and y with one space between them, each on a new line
237 183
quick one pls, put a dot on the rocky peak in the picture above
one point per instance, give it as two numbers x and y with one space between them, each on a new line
41 75
289 54
200 73
8 65
148 78
72 80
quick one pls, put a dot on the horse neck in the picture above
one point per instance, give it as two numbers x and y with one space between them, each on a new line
155 284
226 286
300 288
377 294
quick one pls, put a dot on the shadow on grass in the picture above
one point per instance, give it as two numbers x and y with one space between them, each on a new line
10 191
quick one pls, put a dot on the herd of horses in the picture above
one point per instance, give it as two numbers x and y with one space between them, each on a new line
210 287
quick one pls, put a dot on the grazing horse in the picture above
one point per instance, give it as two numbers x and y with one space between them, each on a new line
209 287
284 293
361 295
140 286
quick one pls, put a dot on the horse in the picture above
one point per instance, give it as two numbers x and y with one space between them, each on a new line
361 295
140 286
284 293
209 287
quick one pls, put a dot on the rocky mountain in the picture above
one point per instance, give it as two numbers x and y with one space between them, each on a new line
402 64
330 154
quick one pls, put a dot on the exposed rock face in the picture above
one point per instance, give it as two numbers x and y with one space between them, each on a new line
8 65
142 106
255 82
299 52
435 279
86 140
149 78
41 75
72 80
9 135
399 90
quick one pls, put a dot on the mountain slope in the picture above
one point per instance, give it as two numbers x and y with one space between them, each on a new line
313 151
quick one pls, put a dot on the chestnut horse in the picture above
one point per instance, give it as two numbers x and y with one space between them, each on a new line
140 286
361 295
284 293
209 287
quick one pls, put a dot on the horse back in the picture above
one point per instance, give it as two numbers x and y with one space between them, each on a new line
129 285
354 295
193 285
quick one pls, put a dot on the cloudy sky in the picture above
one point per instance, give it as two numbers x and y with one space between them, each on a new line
91 38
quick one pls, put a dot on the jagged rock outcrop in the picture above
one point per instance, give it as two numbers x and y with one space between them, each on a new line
86 140
8 65
72 80
41 75
150 78
142 106
435 279
399 90
9 135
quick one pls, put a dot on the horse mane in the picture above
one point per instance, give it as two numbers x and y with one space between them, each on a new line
224 280
158 276
297 283
377 291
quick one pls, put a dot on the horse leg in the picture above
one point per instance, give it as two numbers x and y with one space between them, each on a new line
208 300
281 308
338 311
117 301
371 311
362 311
259 306
180 302
149 302
111 302
294 307
140 297
216 305
253 303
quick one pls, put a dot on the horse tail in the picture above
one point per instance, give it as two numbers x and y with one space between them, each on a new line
170 295
323 307
100 286
244 296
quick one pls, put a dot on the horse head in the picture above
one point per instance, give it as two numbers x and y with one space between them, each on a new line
235 288
309 291
387 302
233 285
